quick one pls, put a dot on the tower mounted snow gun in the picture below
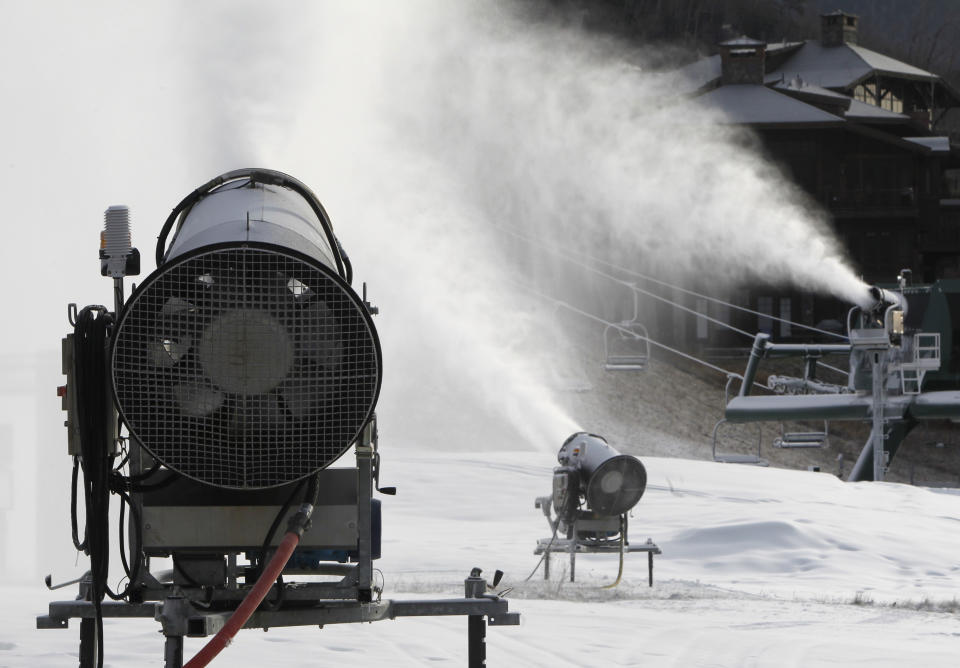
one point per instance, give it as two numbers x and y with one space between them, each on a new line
895 378
594 489
213 401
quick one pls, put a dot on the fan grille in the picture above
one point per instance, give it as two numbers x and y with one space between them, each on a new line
245 367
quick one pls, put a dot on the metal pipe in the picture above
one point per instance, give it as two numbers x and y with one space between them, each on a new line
805 349
798 407
876 434
863 465
757 352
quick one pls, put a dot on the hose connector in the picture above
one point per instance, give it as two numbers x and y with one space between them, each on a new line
300 520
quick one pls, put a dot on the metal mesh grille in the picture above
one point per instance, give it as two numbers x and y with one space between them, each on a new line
245 367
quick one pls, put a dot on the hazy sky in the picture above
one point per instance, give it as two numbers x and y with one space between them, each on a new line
138 103
418 124
92 116
421 125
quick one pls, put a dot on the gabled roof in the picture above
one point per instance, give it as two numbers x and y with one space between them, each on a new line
854 110
844 66
861 111
743 41
776 47
828 67
700 73
935 144
797 84
839 12
758 105
888 65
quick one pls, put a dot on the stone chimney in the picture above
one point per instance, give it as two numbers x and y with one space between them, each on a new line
838 28
742 61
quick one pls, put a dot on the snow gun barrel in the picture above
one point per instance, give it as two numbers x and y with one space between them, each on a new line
611 483
884 298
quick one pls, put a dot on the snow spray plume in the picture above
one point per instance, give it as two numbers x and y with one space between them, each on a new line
244 67
455 374
552 132
427 126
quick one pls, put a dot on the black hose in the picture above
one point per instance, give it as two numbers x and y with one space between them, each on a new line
143 476
74 532
91 334
132 570
185 203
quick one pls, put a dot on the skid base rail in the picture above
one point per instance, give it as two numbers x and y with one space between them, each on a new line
179 617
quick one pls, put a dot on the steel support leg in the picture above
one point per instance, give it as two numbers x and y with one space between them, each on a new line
173 652
474 587
364 570
88 643
573 554
546 565
650 566
476 641
877 433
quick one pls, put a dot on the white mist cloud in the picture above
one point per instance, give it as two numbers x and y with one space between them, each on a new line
421 125
443 122
553 133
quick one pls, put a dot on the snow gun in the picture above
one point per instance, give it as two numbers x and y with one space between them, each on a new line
212 401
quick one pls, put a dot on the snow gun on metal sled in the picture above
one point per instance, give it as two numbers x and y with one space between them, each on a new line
212 401
594 489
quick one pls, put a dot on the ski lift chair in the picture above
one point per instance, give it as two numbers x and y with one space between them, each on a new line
803 439
626 345
736 458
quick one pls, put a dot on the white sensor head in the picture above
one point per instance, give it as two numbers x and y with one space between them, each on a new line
116 242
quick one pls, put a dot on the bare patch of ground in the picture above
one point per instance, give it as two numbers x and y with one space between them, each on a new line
671 408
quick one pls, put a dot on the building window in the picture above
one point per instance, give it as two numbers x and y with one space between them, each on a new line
885 98
764 321
722 312
785 318
702 323
891 102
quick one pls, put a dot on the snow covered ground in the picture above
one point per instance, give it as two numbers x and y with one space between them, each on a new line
416 133
760 567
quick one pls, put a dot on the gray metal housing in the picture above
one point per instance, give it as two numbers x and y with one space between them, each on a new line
273 214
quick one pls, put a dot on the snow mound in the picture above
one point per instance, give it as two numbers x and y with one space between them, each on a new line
743 537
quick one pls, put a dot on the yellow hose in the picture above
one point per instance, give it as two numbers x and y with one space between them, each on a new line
623 539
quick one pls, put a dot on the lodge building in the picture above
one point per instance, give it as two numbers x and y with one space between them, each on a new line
857 131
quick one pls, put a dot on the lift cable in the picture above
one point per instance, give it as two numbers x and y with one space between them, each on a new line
595 318
832 368
635 288
571 256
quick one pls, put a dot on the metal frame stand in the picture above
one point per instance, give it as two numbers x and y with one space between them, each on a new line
576 544
198 612
179 617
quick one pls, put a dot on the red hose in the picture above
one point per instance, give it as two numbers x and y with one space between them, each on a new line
249 603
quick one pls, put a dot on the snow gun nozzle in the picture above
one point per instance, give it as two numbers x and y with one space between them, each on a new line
884 298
